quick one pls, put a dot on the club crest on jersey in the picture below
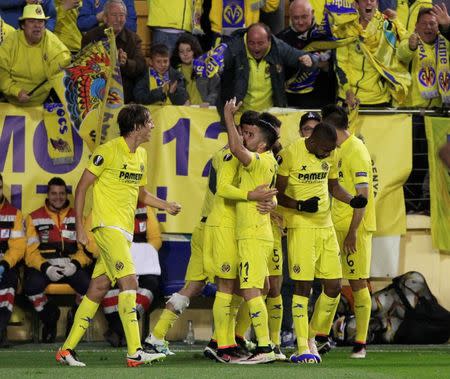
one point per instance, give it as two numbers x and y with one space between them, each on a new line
296 269
325 166
141 167
119 266
279 159
227 157
98 160
226 267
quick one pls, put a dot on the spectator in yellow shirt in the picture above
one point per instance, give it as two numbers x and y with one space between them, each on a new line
24 83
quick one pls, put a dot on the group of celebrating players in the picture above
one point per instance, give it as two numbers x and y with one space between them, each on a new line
257 191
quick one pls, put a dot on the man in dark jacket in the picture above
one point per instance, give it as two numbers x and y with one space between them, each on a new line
131 59
254 68
318 87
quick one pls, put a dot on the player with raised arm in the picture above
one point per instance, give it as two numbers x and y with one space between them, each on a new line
253 229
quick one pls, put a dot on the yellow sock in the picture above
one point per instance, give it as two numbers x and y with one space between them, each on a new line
300 318
234 308
83 317
221 314
165 322
258 315
243 320
275 313
363 307
128 316
322 318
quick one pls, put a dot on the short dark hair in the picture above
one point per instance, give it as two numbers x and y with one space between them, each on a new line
187 39
56 181
271 119
423 11
249 118
268 131
130 116
335 115
159 49
309 116
324 131
262 25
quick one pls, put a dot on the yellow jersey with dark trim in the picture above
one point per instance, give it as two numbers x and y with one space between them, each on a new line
307 177
355 167
119 173
249 222
223 211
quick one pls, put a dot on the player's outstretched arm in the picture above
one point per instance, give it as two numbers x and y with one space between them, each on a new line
151 200
236 145
86 180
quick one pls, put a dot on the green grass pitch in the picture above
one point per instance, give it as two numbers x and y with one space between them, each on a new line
37 361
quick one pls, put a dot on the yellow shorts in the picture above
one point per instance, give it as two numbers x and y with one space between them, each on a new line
253 255
115 260
275 261
356 265
220 245
313 252
195 270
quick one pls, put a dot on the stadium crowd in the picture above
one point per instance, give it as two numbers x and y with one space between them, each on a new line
363 55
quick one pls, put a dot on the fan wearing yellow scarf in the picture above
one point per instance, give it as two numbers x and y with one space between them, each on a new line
368 71
427 52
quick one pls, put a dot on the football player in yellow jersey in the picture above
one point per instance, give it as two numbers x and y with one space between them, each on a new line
253 229
220 245
354 227
308 170
274 300
195 279
201 265
117 172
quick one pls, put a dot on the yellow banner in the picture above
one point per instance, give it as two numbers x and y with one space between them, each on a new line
438 134
181 146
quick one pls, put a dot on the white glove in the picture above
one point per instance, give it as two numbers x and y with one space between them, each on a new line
54 273
69 269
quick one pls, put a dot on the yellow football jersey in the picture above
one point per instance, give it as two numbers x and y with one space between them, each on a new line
249 222
307 177
225 166
119 173
355 167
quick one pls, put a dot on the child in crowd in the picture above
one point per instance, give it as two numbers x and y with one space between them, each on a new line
161 84
202 91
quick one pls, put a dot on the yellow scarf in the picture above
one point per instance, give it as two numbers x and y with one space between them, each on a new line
433 77
378 43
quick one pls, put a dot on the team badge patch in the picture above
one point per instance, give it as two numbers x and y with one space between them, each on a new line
141 167
279 159
98 160
325 166
227 157
226 267
119 266
296 269
361 174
